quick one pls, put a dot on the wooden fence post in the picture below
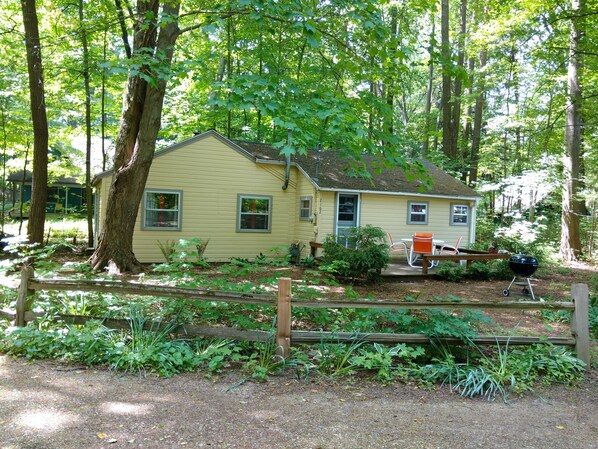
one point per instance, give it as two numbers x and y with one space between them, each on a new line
580 324
283 320
23 303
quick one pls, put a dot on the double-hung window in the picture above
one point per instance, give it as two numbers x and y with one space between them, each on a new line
305 208
459 214
417 213
254 213
162 210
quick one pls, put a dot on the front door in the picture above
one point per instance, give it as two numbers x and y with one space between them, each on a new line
347 216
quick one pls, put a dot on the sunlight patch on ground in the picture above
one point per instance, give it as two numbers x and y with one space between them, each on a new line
127 408
45 420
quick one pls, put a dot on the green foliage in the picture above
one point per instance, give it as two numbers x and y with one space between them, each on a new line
505 371
182 255
216 354
264 360
450 272
39 256
478 271
593 316
386 361
444 323
367 256
333 358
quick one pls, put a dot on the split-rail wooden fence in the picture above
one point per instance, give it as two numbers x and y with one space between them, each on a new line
285 336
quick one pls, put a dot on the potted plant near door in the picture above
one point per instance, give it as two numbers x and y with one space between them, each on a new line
295 249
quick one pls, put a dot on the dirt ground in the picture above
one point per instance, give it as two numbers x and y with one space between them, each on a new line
48 405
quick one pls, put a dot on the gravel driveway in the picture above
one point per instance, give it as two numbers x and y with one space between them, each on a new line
51 405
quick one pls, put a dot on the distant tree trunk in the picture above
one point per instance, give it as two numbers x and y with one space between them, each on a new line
391 73
22 189
123 28
458 90
447 138
39 185
428 105
476 133
88 197
570 236
136 141
103 106
2 211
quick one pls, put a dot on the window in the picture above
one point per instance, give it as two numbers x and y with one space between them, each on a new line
418 213
305 208
254 213
162 210
459 214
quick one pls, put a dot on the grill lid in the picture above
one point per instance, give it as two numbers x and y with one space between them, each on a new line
524 260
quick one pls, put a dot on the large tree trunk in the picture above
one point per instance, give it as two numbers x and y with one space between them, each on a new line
88 196
136 142
447 128
570 238
39 188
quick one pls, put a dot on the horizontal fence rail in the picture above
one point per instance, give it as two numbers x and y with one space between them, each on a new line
285 336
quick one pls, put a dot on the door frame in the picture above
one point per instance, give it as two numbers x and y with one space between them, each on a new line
357 211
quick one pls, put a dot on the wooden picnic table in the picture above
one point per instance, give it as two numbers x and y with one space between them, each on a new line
468 256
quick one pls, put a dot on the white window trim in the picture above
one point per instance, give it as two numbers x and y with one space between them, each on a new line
240 197
409 212
309 209
452 217
179 226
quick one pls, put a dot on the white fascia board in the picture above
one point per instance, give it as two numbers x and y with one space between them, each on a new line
423 195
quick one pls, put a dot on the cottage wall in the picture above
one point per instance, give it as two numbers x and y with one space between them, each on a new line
211 175
390 213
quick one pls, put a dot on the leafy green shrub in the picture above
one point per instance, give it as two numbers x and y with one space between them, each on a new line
505 371
478 271
216 354
593 316
385 361
450 272
148 348
499 269
367 257
183 254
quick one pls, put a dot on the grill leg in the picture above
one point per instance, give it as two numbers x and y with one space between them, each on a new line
531 290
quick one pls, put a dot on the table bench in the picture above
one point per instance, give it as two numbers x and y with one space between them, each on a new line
313 246
469 257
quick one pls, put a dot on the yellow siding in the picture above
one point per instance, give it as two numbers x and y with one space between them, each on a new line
326 221
305 231
211 175
390 213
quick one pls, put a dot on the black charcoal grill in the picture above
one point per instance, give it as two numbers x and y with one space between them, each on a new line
522 267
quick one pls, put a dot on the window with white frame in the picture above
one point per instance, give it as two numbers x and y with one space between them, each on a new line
162 210
305 208
254 213
459 214
417 213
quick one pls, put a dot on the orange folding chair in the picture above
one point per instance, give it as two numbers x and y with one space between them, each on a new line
398 247
421 245
426 235
447 249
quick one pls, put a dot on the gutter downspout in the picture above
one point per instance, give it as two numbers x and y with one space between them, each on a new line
287 173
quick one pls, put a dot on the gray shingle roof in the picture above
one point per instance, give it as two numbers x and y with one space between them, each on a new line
332 173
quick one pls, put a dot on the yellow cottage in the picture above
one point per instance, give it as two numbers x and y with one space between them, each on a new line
246 200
